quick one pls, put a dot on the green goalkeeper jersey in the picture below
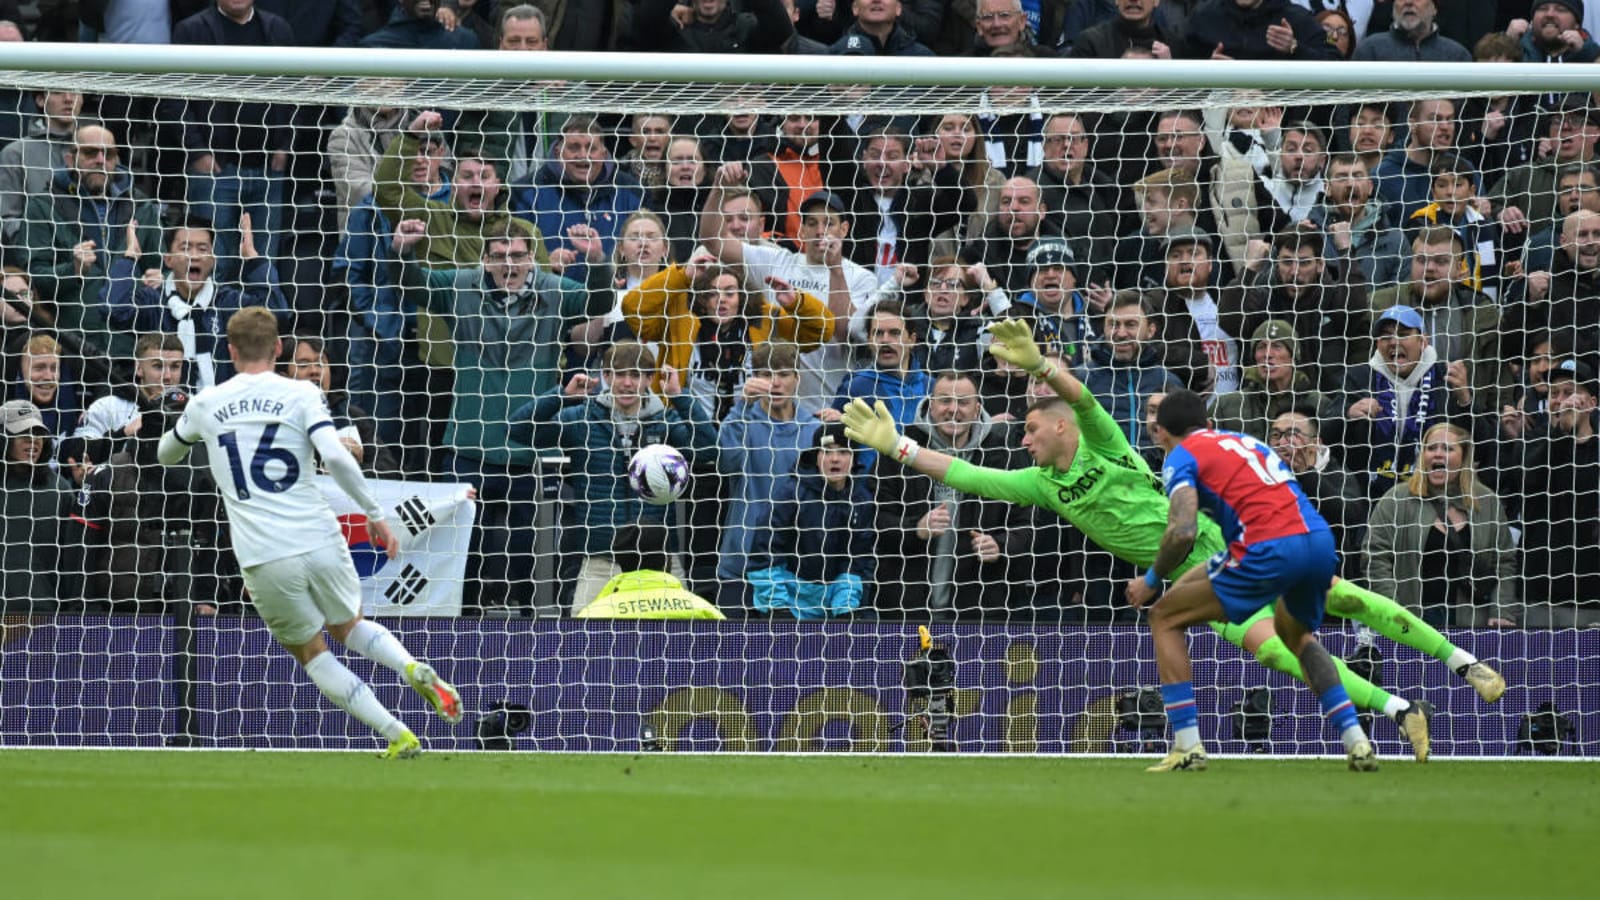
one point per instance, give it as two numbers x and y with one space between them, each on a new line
1108 492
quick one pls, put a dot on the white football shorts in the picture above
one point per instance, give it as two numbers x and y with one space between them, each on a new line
297 595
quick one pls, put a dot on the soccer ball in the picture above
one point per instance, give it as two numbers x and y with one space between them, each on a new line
658 474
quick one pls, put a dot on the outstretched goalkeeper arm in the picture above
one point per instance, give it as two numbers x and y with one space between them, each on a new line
875 427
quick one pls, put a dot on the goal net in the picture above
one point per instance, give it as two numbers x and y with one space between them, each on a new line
505 286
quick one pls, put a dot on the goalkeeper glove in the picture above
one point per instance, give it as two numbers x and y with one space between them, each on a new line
1013 342
874 426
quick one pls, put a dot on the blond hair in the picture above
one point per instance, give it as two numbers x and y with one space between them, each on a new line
253 335
1467 486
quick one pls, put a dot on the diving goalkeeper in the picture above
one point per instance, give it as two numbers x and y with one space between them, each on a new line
1086 472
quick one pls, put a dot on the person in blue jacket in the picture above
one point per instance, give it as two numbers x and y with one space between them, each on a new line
815 559
895 376
599 433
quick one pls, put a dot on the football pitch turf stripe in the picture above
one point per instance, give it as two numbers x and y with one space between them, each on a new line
287 825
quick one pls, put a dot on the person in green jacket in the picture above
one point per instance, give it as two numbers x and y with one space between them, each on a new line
508 322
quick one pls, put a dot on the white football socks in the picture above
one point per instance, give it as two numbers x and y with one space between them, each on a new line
347 691
379 644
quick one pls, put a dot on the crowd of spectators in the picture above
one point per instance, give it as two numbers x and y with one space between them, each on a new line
1401 299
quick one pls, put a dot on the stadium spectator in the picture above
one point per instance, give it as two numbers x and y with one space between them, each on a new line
1124 367
1370 133
941 553
32 508
157 370
794 170
50 385
711 26
16 313
182 297
1013 230
1137 23
1225 207
74 235
28 165
1197 348
238 151
1288 194
895 375
1387 404
645 160
1086 201
1357 232
1456 205
1165 201
681 195
457 223
1439 542
1337 494
1561 505
514 141
1553 33
758 447
1568 305
877 31
893 218
819 268
600 432
1577 187
1405 176
953 140
1276 384
1526 196
386 375
705 321
16 105
418 25
1340 28
1462 325
1060 315
308 361
357 144
1323 300
1414 36
1254 29
580 187
999 24
507 320
814 559
949 332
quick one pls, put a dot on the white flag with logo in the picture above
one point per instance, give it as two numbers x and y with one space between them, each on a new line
434 525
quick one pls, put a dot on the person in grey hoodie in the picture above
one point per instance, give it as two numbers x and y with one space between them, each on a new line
942 553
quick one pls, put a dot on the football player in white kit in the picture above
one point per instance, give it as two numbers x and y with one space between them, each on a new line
260 430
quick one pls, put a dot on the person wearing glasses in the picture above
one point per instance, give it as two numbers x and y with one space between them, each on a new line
507 320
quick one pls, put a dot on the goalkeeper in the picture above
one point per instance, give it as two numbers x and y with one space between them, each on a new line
1089 475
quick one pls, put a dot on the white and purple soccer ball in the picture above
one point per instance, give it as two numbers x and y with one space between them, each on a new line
658 474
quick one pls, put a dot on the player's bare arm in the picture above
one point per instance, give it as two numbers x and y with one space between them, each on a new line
1177 542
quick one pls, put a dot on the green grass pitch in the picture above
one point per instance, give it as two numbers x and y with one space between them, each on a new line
126 825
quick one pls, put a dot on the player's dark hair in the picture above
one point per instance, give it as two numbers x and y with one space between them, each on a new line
640 545
1181 412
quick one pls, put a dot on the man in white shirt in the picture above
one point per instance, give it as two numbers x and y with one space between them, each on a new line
157 370
819 268
261 431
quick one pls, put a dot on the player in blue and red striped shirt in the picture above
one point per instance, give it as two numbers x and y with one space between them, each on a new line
1279 551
